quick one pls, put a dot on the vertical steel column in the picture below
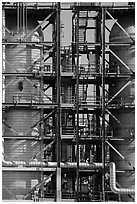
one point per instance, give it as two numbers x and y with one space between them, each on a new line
77 105
103 103
42 124
73 68
58 85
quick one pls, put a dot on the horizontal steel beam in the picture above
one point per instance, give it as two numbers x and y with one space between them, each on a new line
31 169
27 43
37 105
107 43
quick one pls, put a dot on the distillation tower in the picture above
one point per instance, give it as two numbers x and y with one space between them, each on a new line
68 121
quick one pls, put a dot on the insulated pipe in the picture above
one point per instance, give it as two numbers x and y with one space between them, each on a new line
52 164
18 11
92 166
66 165
113 187
74 165
3 23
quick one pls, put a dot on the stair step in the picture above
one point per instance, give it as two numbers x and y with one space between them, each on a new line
83 14
82 19
81 30
81 33
82 23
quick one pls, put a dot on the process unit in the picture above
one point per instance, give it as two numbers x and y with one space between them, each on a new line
68 123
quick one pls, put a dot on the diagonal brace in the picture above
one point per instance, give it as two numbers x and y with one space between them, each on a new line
129 81
45 149
123 157
120 60
14 131
115 150
48 97
118 121
35 29
6 189
122 125
43 118
14 80
10 32
120 26
38 186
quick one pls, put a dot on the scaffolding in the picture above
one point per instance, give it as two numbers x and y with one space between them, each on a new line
66 120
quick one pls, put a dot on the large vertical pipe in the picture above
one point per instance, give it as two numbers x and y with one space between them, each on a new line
103 103
77 104
23 16
18 17
3 55
73 46
58 139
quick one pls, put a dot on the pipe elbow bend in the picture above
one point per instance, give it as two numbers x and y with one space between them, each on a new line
113 187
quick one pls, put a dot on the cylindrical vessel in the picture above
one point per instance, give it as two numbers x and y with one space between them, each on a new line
19 121
123 122
125 52
22 58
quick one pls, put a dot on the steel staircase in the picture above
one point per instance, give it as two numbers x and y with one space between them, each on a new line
83 15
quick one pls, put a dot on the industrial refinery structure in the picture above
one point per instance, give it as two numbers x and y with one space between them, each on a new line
68 111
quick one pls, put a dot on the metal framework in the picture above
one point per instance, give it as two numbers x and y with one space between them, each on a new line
70 136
